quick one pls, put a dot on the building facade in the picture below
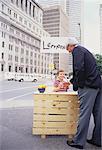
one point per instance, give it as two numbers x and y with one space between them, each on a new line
21 30
74 9
75 12
47 3
100 29
55 22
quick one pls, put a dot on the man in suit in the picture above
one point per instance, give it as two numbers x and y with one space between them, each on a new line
87 81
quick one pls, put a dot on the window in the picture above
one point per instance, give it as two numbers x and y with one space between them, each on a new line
10 47
31 70
16 49
26 5
29 25
3 34
3 44
11 30
10 57
9 11
30 8
35 63
20 19
16 58
31 61
15 15
22 51
11 1
9 68
22 60
25 22
2 67
10 38
26 70
27 52
2 55
2 7
26 61
23 36
18 33
31 54
17 2
35 70
21 69
21 3
16 69
33 11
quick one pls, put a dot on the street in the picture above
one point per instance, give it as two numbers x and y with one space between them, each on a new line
17 93
16 119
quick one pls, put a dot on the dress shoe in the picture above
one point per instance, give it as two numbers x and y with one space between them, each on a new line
72 144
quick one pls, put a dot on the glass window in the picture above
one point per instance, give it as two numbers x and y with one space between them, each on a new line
16 69
2 67
2 55
2 7
9 68
3 44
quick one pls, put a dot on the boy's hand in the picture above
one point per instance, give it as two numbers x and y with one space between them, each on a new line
60 86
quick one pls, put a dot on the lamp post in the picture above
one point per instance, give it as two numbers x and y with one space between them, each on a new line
51 67
79 31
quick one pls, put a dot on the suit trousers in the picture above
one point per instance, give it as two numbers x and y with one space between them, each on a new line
90 102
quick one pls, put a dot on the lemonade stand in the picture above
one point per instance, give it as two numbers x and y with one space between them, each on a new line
55 113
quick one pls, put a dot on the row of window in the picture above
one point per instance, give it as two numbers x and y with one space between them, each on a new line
10 57
21 69
10 46
25 22
30 11
27 40
25 37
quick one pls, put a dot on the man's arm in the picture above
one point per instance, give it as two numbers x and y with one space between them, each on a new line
78 69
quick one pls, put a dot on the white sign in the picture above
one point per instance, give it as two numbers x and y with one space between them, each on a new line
54 45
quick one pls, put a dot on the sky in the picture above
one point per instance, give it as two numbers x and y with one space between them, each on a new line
92 25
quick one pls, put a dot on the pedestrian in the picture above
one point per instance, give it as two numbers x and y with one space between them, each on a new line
87 81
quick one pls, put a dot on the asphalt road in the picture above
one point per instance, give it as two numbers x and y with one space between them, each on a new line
15 90
16 133
16 119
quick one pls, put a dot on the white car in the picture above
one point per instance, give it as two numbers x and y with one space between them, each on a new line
20 77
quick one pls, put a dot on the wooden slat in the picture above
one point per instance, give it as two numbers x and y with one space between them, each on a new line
42 131
50 124
55 114
38 117
44 110
53 103
56 97
55 124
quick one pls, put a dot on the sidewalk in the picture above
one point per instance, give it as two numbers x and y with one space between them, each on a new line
16 132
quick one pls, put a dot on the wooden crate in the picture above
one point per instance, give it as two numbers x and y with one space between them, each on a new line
55 114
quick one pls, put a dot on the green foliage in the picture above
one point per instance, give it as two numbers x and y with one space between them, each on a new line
99 62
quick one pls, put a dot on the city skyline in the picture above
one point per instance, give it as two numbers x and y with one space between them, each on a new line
91 24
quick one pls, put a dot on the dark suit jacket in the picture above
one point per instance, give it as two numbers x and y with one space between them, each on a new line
85 71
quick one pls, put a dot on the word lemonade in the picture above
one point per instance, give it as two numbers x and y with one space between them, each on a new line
52 46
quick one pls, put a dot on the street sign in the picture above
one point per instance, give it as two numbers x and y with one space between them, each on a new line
54 44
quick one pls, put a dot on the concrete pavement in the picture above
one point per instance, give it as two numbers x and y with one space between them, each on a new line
16 119
16 133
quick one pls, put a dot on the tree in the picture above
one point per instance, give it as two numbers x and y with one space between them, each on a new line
99 62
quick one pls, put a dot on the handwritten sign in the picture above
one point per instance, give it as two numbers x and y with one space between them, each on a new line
54 45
